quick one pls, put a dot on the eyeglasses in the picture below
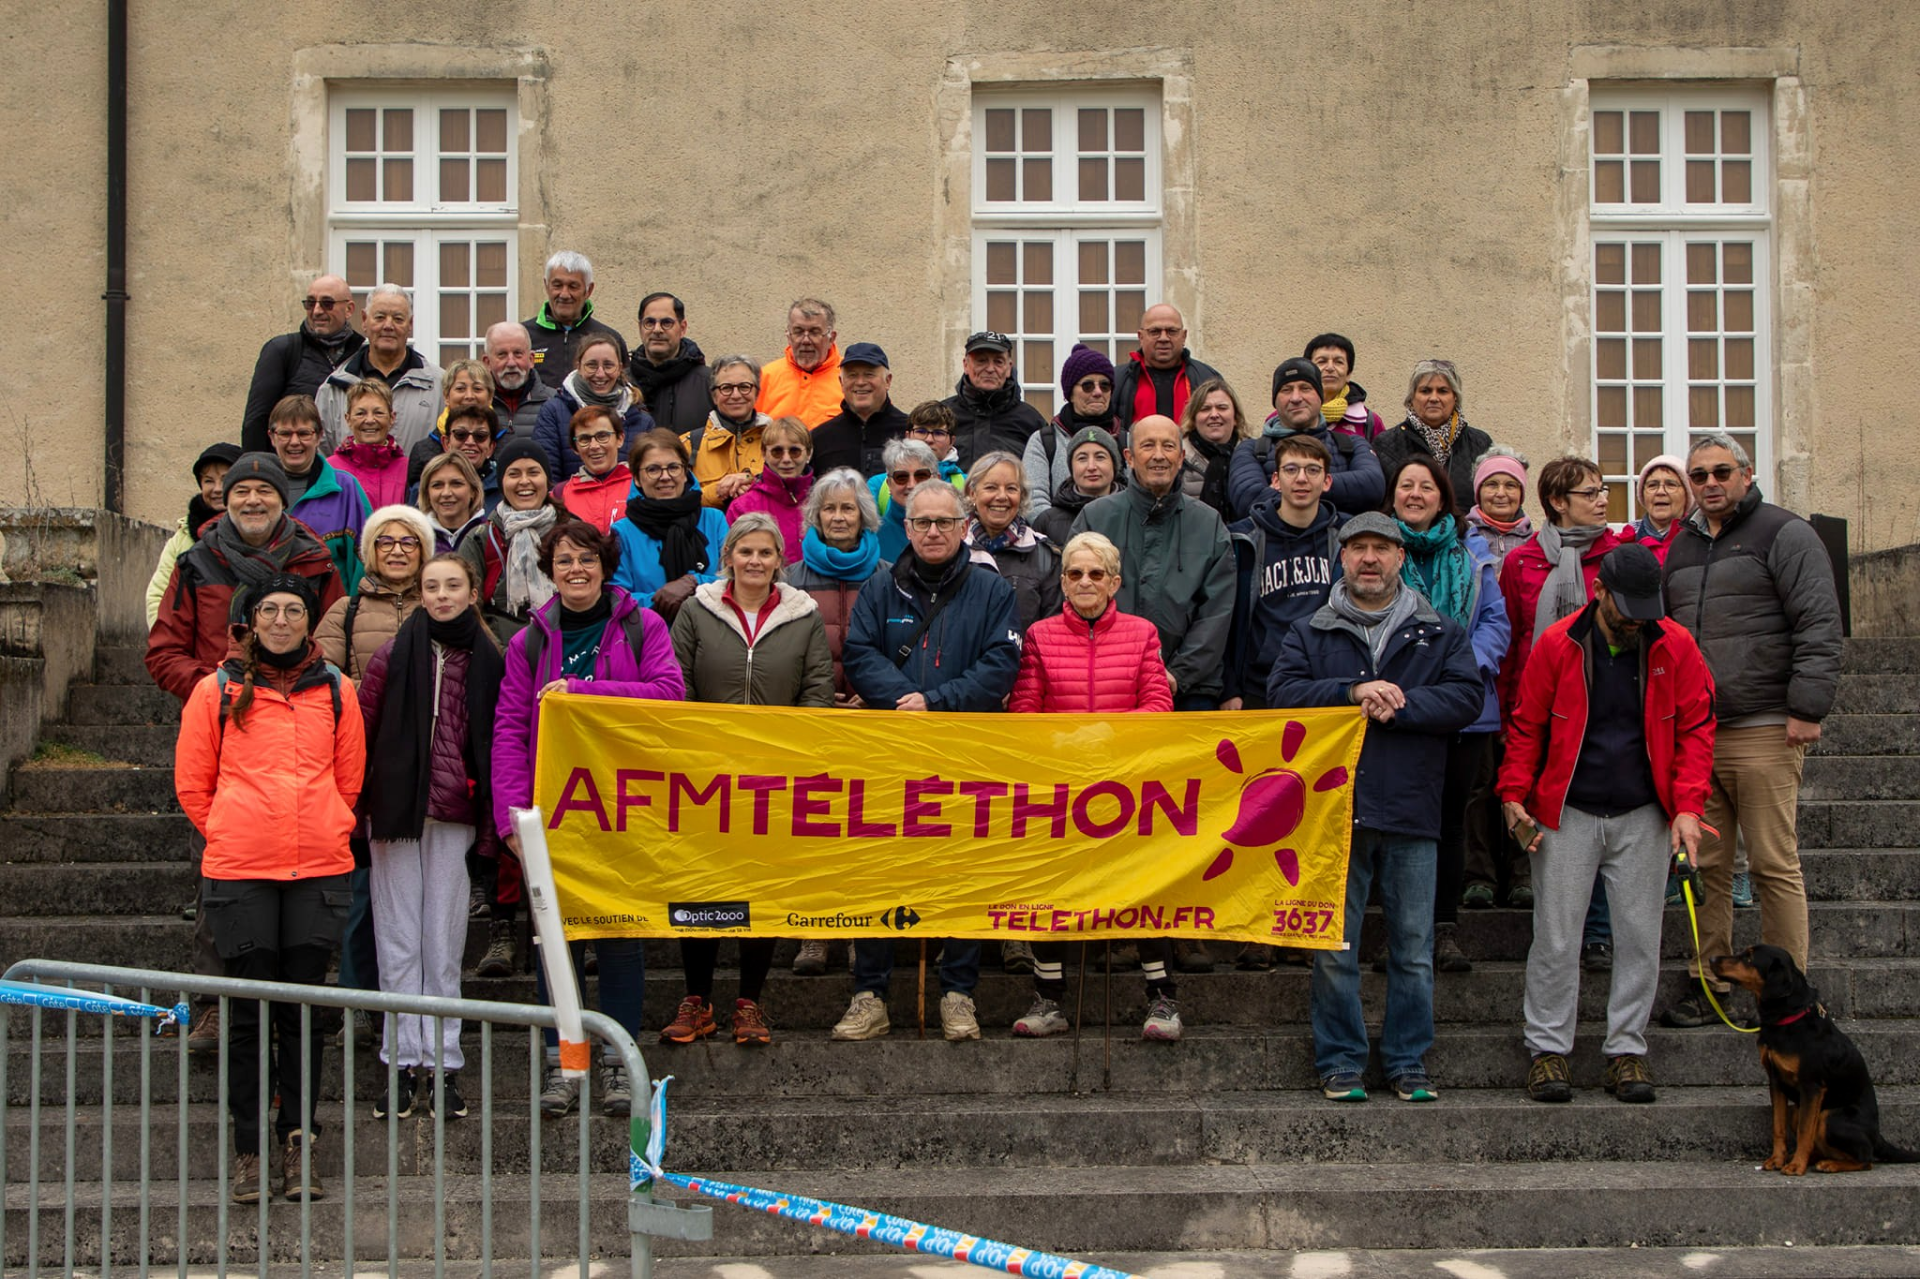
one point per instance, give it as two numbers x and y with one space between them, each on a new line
598 437
815 334
1162 332
1720 474
1592 494
660 471
1662 486
403 543
1091 384
302 436
927 523
910 477
292 612
1312 470
734 388
474 437
1086 574
323 304
651 323
929 431
788 450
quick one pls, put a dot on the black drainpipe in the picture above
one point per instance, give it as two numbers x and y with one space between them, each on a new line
116 294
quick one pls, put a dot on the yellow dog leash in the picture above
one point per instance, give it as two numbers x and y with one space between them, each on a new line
1689 886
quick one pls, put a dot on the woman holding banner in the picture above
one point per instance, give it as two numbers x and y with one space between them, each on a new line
751 640
1091 659
591 637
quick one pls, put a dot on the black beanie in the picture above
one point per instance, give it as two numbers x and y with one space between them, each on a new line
519 449
1296 370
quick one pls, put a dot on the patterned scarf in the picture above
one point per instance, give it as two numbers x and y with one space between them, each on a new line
1439 567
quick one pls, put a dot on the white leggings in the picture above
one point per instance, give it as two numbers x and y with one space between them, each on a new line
419 889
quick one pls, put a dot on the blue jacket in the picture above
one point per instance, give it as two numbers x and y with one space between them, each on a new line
1358 482
640 573
1491 630
1403 763
551 434
966 661
1282 574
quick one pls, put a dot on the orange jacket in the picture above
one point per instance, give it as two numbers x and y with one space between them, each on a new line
812 395
274 796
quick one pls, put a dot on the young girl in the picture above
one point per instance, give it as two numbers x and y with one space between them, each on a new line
428 702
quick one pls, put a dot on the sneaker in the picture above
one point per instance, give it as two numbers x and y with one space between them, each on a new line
246 1179
560 1095
205 1035
750 1024
1192 956
497 961
399 1102
1446 951
1414 1086
1477 897
1742 891
455 1106
293 1183
1016 956
866 1018
1597 957
616 1092
957 1019
1627 1078
363 1037
1548 1080
1042 1020
1520 897
1343 1087
477 907
694 1021
812 959
1255 958
1163 1021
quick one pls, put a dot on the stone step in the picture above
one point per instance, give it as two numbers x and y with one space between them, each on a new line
94 790
121 664
56 839
121 704
1861 874
1211 1059
1858 823
1879 693
1868 735
1482 1126
1887 655
1861 777
149 745
107 891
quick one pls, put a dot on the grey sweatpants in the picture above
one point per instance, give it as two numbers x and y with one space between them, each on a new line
420 931
1630 853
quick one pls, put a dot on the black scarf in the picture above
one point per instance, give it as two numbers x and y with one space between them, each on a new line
674 522
402 753
650 377
198 513
1213 481
1072 423
928 582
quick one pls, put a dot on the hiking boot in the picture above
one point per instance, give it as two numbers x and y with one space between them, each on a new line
1255 958
750 1024
1295 956
1125 955
1477 897
616 1092
1345 1086
692 1022
399 1102
1041 1020
1163 1021
1446 951
1742 891
1597 957
205 1035
1627 1078
866 1018
497 961
1548 1080
454 1105
363 1036
590 966
1016 956
1694 1010
1520 897
477 907
1191 956
957 1019
1413 1085
812 959
246 1179
293 1183
191 911
560 1095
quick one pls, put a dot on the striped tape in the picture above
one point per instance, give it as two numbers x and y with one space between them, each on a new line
88 1001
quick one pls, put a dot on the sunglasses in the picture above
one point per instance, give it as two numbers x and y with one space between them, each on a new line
1086 574
1719 474
470 437
911 477
780 450
321 304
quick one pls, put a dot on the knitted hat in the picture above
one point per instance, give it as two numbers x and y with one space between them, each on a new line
1296 370
1081 361
1498 464
1670 462
520 449
412 516
256 466
224 453
1358 417
284 584
1094 435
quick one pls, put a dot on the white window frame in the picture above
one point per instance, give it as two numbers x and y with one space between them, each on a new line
1673 222
1066 219
425 291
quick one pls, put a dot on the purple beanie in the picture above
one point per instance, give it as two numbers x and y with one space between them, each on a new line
1081 361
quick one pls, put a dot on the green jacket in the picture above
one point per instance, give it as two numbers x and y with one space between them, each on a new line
787 664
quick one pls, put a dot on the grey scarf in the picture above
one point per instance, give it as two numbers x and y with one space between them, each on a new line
522 585
1565 592
619 399
1378 626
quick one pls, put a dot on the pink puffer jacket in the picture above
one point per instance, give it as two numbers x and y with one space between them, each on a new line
1112 664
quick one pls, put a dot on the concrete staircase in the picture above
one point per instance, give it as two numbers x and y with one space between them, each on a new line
1219 1146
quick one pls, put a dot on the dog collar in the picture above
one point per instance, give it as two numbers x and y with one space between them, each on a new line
1788 1021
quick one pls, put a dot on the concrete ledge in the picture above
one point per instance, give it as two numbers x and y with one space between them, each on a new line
1886 591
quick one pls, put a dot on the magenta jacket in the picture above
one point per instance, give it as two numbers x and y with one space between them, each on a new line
382 471
783 500
618 671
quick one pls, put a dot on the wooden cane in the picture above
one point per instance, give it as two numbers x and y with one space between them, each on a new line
923 988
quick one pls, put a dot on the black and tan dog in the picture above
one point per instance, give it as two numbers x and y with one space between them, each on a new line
1819 1080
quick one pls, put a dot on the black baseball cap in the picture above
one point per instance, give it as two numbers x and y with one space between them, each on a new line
866 353
1632 577
988 340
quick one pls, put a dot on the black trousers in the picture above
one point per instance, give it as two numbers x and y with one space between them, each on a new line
1467 756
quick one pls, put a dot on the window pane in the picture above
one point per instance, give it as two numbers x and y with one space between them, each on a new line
1703 358
399 264
1739 358
1646 181
1037 262
453 181
1610 407
1002 312
490 181
363 182
453 315
1736 181
1609 133
1129 179
1610 359
1646 264
1647 406
1130 262
1093 262
1646 448
1610 263
454 259
1703 407
489 309
453 131
1000 264
1036 365
399 181
1093 179
1037 177
1701 264
1038 312
1617 502
1699 182
361 257
1740 407
398 129
1646 311
1041 398
1612 453
490 130
1130 129
1738 317
1701 313
1737 257
1093 311
1609 182
360 129
999 179
1127 345
1036 129
1699 133
1610 312
490 270
1736 133
1128 306
1000 129
1093 129
1646 359
451 352
1644 133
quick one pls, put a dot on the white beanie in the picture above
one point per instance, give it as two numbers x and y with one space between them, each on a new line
411 516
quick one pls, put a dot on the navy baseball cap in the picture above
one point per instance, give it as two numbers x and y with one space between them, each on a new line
866 353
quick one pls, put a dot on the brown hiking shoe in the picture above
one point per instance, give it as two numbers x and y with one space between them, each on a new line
694 1021
1548 1080
749 1023
812 959
292 1184
498 959
246 1179
205 1035
1628 1078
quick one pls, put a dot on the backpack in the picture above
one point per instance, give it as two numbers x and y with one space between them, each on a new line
223 680
633 624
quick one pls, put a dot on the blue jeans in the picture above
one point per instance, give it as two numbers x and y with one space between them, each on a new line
1404 868
1599 925
623 984
959 965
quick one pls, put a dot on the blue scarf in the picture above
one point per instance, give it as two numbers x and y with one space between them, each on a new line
1439 567
843 566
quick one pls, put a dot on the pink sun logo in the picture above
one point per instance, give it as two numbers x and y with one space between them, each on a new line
1272 802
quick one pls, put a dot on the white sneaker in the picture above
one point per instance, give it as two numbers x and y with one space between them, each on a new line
866 1019
957 1019
1163 1022
1043 1019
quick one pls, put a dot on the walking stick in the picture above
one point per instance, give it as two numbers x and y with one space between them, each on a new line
1106 1074
923 988
1079 1007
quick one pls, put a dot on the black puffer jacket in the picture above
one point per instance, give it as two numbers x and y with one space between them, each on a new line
987 420
1760 600
282 370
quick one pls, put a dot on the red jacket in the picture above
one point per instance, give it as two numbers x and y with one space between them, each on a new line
597 501
1112 665
1522 577
1547 727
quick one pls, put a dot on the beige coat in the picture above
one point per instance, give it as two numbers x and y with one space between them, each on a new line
376 619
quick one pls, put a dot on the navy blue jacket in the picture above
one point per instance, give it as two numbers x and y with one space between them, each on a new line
1402 763
1282 574
1358 482
966 661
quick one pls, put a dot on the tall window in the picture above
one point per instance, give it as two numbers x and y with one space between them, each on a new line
421 194
1681 224
1066 224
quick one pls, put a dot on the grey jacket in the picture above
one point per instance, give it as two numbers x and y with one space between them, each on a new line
788 663
1760 600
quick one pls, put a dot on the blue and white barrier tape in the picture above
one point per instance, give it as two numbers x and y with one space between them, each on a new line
860 1223
88 1001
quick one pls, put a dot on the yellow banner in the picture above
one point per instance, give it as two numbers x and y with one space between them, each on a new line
673 819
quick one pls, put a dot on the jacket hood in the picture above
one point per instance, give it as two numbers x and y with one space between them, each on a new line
789 604
547 616
372 456
418 376
1266 513
412 516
